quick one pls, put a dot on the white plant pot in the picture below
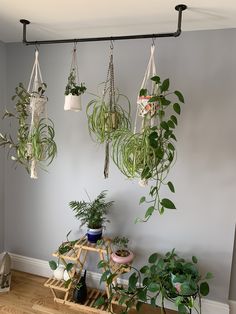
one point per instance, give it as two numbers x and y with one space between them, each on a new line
66 275
59 272
73 102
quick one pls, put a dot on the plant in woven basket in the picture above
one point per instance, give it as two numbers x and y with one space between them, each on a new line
163 278
34 142
150 153
106 113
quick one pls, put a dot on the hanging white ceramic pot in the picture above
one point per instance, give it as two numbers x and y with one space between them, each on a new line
73 102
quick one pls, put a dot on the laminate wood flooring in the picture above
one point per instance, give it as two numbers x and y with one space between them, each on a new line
29 296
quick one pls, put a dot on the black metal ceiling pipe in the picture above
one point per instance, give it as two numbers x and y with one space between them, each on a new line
180 8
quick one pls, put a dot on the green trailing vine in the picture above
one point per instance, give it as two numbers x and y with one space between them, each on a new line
150 153
31 142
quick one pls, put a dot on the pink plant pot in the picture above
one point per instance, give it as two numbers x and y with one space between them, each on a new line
122 260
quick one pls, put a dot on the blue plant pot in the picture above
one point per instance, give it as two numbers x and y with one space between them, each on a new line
94 235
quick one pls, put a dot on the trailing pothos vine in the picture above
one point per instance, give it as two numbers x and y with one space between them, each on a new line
150 153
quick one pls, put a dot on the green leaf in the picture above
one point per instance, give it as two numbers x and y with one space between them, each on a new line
164 125
143 92
153 99
164 101
153 258
171 186
167 203
177 108
182 309
173 137
133 279
153 302
153 287
174 119
194 259
139 305
156 79
142 294
53 265
171 124
161 210
179 95
165 85
111 278
104 276
149 211
69 266
142 200
67 282
204 288
209 275
99 301
101 264
171 146
144 269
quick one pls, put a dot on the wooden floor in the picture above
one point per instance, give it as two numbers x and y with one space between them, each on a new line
28 296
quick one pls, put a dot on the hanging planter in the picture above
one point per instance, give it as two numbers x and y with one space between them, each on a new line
73 89
106 113
149 153
34 143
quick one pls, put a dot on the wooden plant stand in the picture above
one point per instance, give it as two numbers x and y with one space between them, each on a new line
78 256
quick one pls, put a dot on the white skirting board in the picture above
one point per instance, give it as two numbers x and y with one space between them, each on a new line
41 268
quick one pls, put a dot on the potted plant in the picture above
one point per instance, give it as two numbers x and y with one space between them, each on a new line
121 254
73 92
150 153
61 269
34 143
167 277
108 112
93 214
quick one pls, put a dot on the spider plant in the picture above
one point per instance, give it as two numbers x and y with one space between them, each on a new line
32 143
104 119
150 153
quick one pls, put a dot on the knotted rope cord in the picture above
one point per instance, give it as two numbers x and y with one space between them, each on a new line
112 107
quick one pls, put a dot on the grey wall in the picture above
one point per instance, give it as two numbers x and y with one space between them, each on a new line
2 105
203 66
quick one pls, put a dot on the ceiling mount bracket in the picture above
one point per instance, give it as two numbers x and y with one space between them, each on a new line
180 8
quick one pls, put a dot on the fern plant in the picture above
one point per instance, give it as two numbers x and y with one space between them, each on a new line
92 213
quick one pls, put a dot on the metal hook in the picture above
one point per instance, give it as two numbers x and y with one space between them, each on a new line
153 41
112 44
36 47
75 45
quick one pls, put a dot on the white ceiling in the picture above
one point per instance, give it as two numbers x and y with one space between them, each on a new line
56 19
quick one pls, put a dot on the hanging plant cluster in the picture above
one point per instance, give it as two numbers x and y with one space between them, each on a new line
106 113
74 89
149 153
34 144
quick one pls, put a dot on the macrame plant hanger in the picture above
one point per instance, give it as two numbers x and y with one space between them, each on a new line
37 107
145 109
73 103
109 91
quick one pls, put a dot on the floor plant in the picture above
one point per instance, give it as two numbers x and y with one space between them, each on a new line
164 278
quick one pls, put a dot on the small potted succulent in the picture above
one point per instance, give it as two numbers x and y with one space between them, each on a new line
73 92
121 254
93 214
